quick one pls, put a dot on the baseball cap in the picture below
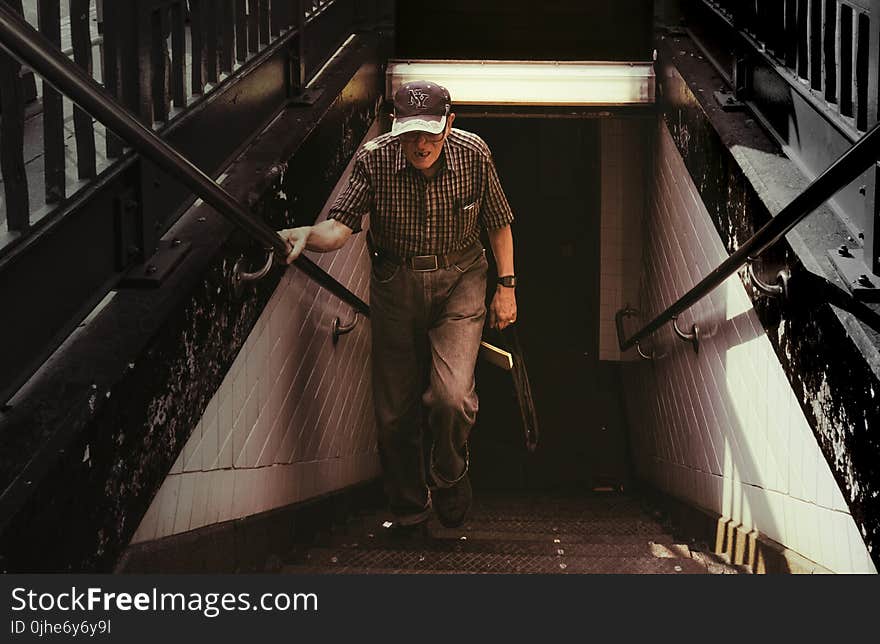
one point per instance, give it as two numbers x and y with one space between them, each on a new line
420 106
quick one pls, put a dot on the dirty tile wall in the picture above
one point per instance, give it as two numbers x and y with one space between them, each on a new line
292 419
721 428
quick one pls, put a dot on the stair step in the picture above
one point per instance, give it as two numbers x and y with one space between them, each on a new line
513 533
608 526
549 500
562 514
524 512
317 570
516 531
658 546
336 560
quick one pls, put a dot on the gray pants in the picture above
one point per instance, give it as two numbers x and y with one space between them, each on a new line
426 330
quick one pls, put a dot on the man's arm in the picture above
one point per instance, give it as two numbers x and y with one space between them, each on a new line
502 311
327 236
345 217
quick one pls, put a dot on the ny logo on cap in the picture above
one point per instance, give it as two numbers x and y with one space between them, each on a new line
418 98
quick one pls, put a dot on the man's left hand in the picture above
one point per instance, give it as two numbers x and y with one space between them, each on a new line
502 311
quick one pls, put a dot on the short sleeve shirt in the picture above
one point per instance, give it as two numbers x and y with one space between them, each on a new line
411 215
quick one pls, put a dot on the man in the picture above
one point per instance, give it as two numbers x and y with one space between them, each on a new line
429 189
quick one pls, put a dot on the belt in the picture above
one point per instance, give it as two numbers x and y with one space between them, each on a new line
423 263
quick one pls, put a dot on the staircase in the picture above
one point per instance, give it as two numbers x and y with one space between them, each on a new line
514 533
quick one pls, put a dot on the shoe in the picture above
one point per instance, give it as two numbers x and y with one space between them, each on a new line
452 503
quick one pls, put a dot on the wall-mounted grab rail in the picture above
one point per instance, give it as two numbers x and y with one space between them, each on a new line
840 173
24 42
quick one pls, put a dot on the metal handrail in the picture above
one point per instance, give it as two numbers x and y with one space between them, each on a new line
27 44
843 171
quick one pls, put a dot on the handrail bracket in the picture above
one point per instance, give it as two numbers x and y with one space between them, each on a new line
779 289
629 312
693 337
341 329
240 276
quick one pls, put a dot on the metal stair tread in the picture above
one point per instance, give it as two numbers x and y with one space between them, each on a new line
468 531
511 533
658 546
553 528
404 560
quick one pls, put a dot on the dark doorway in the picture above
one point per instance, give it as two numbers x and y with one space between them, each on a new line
550 170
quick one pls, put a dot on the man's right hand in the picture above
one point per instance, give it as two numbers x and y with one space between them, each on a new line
296 239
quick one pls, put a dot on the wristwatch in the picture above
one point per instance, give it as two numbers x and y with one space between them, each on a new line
507 280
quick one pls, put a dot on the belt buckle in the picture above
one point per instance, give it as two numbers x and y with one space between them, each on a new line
424 263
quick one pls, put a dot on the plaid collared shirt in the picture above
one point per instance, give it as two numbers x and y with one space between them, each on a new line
411 215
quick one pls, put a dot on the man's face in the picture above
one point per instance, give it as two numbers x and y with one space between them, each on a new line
422 149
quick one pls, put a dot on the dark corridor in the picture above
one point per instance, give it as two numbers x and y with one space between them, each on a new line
550 170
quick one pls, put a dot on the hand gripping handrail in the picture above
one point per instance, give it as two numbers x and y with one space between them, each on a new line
27 44
850 165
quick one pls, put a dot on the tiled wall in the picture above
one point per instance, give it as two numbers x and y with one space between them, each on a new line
721 428
293 417
625 168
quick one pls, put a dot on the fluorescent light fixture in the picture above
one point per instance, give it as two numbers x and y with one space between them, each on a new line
497 82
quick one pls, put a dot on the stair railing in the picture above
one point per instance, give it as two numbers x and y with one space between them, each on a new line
25 43
843 171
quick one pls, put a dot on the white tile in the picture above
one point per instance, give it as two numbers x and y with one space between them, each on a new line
224 495
309 479
793 527
215 497
243 429
225 447
799 433
177 468
758 514
774 523
269 449
210 449
276 494
842 558
825 537
838 501
168 495
243 490
193 451
861 559
809 530
254 367
293 484
239 391
225 404
185 502
810 468
146 531
201 493
778 439
826 486
258 440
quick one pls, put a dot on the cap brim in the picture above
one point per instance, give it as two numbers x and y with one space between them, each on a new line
429 124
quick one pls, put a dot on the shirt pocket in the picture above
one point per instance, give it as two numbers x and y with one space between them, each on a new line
466 219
